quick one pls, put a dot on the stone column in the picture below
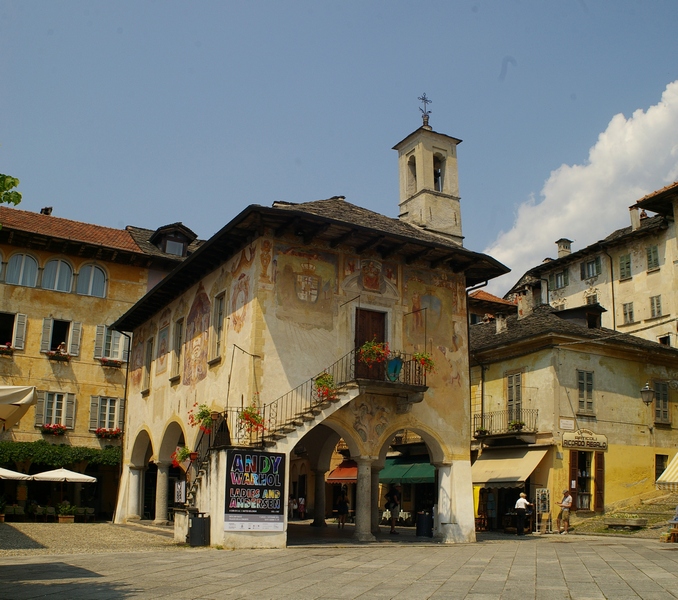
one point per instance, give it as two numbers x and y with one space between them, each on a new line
162 481
134 498
375 499
363 508
455 520
319 502
77 491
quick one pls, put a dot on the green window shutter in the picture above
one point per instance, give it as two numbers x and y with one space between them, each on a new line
125 347
69 422
566 277
94 413
40 408
121 414
99 341
582 271
46 335
19 332
552 282
76 330
599 266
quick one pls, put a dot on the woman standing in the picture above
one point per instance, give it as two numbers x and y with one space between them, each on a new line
521 510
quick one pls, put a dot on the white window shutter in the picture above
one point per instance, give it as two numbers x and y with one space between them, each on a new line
19 332
76 330
99 342
40 408
46 335
125 346
94 413
121 414
70 411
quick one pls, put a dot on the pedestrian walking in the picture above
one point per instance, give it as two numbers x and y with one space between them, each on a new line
564 514
522 505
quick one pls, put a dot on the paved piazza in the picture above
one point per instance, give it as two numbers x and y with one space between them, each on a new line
497 567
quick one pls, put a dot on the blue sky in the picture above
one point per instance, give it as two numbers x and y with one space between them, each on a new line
147 113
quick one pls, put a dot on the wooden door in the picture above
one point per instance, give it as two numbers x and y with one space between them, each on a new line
369 325
574 476
599 483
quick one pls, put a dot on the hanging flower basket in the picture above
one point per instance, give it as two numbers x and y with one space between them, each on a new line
53 429
108 434
251 419
200 416
324 386
373 352
425 360
110 362
180 455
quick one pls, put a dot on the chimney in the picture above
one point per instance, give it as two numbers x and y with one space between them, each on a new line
500 321
46 211
525 303
635 217
564 247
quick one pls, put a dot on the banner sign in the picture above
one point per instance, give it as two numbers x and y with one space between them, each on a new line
584 439
255 491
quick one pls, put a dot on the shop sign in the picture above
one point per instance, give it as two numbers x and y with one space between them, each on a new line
584 439
255 491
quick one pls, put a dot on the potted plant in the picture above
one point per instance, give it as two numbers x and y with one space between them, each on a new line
59 356
66 513
251 419
7 349
180 455
516 425
53 429
200 416
481 432
425 360
373 352
108 434
324 386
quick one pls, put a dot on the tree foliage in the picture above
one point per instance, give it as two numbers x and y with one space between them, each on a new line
8 195
42 452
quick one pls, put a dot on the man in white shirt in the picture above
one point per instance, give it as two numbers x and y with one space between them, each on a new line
564 514
521 511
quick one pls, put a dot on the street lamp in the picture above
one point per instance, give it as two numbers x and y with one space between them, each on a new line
647 394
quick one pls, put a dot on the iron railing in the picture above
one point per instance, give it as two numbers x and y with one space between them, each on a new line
512 420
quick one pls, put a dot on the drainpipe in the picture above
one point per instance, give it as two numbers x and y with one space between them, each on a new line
468 338
614 311
124 429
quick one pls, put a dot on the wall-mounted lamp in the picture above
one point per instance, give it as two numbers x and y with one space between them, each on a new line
647 394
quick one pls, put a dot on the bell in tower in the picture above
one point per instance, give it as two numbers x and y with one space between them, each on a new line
429 184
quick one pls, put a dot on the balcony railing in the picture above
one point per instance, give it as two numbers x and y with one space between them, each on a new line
500 422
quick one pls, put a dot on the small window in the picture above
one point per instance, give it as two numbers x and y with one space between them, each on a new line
661 461
61 336
559 280
514 396
625 266
12 330
655 306
628 313
664 340
57 275
177 344
590 268
592 299
111 344
92 281
661 402
106 413
652 258
148 362
585 385
218 327
54 408
22 269
174 247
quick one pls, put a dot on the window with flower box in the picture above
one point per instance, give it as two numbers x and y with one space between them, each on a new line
111 347
60 337
12 331
55 408
106 416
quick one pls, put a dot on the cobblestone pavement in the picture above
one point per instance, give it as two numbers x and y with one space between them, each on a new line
497 567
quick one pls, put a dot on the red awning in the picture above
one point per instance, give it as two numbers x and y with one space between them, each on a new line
346 472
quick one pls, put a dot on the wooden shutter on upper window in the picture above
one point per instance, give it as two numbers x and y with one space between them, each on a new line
40 408
99 341
94 413
582 271
574 475
69 421
46 335
599 482
76 330
599 266
566 277
121 414
552 282
19 332
125 347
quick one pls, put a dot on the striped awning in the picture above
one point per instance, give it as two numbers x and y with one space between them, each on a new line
669 478
346 472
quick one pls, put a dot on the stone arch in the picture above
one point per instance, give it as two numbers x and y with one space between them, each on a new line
433 443
354 447
142 449
171 438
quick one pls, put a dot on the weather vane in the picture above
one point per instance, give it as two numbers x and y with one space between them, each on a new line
424 112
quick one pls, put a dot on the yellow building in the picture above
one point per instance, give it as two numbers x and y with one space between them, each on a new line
62 283
276 303
556 405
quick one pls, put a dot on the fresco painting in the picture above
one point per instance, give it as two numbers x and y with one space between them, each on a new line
370 418
370 275
240 297
197 338
163 349
305 285
137 358
265 260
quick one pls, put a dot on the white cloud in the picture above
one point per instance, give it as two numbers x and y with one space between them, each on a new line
585 203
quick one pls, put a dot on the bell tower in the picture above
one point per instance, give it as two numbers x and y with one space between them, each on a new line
429 181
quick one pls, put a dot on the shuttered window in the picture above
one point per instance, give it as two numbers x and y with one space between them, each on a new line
625 266
661 402
585 386
590 268
107 413
55 408
652 258
111 344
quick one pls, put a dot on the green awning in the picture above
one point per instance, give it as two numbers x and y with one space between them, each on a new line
398 470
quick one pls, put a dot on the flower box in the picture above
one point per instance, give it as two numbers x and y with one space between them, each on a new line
108 434
58 356
66 518
251 419
53 429
110 362
6 350
425 360
373 352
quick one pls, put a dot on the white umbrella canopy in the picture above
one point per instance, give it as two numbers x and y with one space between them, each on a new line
7 474
15 401
64 475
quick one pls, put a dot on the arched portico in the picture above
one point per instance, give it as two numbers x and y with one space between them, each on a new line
142 450
173 436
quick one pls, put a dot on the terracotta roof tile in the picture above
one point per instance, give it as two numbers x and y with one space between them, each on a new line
483 295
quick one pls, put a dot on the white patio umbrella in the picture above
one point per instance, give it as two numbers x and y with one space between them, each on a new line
14 403
64 475
7 474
